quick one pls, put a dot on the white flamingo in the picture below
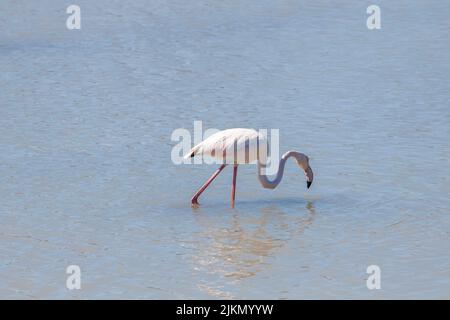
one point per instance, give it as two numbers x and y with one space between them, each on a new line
242 146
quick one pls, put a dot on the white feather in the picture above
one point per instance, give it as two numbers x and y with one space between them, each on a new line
222 144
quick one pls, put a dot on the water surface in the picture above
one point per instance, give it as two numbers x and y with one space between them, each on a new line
86 176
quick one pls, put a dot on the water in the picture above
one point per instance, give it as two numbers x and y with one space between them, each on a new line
86 176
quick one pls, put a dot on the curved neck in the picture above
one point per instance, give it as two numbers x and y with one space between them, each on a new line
268 184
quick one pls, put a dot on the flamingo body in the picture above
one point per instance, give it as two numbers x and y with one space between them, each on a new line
233 146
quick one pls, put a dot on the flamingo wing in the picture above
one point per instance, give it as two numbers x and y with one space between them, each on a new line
238 145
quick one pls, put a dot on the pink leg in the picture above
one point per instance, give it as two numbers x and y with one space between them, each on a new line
233 188
194 199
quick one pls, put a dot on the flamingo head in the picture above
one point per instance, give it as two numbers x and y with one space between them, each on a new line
303 162
309 176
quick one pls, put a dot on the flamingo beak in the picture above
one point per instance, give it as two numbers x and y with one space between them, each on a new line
308 184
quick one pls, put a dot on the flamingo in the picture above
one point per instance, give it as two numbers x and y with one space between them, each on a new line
243 146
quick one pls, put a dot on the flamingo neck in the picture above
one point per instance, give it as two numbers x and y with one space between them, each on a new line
272 184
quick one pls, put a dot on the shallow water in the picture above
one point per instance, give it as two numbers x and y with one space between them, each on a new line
86 176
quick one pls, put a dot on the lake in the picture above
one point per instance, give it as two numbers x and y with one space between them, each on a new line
86 176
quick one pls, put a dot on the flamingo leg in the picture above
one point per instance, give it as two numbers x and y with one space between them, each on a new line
233 187
194 199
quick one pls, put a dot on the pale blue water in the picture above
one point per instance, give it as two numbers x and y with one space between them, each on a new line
86 176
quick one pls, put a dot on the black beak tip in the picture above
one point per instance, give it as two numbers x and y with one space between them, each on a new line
308 184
